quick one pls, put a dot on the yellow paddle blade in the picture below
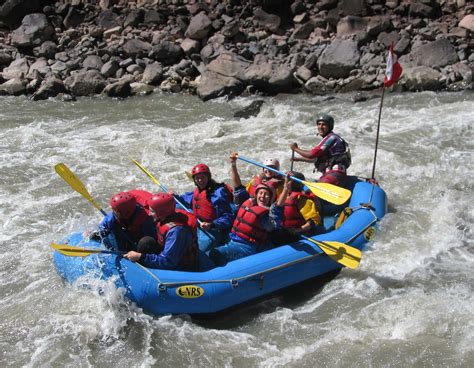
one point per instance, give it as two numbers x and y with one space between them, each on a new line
329 192
339 252
72 251
69 177
189 175
149 174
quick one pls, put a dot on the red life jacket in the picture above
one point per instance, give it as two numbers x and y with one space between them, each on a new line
247 223
292 217
180 218
134 225
202 205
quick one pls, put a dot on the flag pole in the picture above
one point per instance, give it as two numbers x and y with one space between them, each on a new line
377 135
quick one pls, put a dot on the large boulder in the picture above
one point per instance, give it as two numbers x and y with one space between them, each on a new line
34 30
421 78
13 87
50 87
85 83
13 11
338 59
17 69
212 85
229 64
435 54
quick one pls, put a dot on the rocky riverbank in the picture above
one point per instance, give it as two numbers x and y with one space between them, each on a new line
216 48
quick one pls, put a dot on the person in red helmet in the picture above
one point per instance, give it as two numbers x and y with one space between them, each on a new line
257 217
175 247
211 203
128 222
331 156
267 177
301 214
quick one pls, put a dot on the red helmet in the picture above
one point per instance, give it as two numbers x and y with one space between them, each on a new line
201 168
124 204
270 189
162 204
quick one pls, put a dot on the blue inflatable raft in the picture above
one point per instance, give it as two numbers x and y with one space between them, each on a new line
174 292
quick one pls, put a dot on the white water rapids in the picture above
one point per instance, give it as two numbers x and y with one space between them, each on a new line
409 304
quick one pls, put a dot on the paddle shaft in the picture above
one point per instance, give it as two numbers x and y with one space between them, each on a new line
243 158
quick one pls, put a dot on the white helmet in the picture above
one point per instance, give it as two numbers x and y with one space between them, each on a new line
272 162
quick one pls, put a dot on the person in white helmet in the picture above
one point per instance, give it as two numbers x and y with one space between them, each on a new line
268 177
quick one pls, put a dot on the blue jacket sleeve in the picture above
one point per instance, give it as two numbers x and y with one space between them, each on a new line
224 213
107 225
187 199
176 241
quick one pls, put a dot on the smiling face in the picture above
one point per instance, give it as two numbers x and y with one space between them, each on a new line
201 180
322 127
263 198
267 174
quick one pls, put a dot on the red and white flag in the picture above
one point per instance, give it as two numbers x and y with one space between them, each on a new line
394 69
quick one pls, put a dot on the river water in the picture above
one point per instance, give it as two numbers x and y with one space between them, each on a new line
409 304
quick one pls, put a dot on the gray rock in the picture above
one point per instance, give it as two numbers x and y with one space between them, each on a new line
199 27
109 68
41 66
34 30
421 78
351 25
229 64
338 59
190 46
435 54
153 17
15 87
17 69
5 58
85 83
107 19
74 17
213 85
251 110
303 31
92 62
141 88
50 87
47 49
467 22
120 88
317 86
136 48
166 52
153 74
270 22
